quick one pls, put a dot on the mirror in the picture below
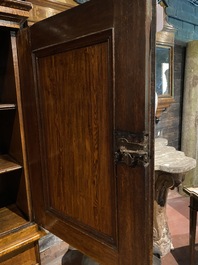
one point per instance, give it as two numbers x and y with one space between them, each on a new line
164 66
164 73
164 77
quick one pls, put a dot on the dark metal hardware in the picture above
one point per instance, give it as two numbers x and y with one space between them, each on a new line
131 149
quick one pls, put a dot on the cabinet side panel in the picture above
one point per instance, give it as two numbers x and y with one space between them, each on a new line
28 102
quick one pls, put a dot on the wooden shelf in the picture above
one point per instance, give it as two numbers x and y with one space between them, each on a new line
7 106
7 164
10 218
11 237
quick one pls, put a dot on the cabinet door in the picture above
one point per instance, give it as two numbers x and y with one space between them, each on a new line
86 91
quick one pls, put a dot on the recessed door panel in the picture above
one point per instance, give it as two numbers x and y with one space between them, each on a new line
75 101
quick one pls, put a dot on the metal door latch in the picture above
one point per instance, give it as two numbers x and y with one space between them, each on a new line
131 149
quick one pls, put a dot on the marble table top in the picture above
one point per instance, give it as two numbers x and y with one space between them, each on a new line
191 191
168 159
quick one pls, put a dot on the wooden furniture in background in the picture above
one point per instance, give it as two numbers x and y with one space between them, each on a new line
193 193
18 235
14 13
46 8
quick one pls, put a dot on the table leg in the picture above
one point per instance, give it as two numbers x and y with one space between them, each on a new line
161 236
193 223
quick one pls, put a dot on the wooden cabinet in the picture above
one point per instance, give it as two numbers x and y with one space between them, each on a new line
80 133
18 235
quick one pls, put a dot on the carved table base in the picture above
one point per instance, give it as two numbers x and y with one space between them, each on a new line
161 236
170 168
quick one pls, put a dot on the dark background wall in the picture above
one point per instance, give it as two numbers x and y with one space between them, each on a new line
170 123
183 15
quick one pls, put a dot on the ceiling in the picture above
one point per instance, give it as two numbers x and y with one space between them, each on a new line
194 2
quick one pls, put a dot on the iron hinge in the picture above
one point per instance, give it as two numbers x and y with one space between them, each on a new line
131 149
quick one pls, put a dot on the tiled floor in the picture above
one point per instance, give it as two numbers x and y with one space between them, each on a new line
178 220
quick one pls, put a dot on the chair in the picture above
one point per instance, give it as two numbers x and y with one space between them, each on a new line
193 193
